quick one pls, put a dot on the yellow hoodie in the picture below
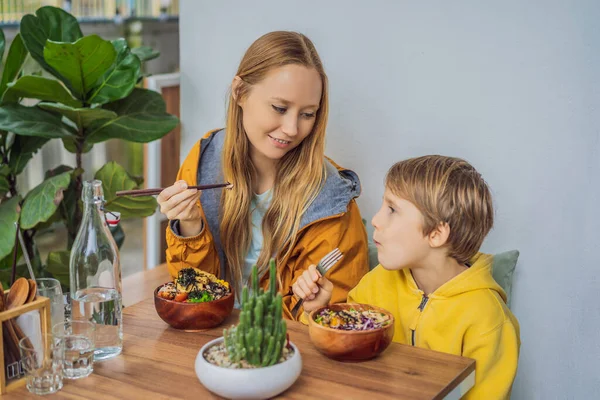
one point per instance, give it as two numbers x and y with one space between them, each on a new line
466 316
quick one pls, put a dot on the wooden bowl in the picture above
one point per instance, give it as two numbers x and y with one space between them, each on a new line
193 316
350 345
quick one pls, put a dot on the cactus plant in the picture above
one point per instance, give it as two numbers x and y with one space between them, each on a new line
260 335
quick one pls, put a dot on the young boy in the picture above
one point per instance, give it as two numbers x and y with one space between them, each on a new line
436 212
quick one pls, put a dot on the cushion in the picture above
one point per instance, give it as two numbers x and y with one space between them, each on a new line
373 260
503 267
372 250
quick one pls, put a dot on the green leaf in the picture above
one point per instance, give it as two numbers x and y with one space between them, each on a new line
142 118
118 234
9 214
71 146
57 264
41 202
145 53
22 150
81 63
2 44
4 185
65 210
57 171
71 197
37 87
115 178
6 273
32 67
47 226
33 121
7 262
14 62
138 180
82 117
120 79
49 23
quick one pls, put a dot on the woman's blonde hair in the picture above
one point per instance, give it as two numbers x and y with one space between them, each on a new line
300 173
446 190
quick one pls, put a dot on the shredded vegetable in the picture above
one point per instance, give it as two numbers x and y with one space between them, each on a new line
352 319
199 296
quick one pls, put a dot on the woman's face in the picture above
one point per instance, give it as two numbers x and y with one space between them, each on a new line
280 111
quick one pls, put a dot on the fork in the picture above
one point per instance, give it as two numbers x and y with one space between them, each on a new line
323 266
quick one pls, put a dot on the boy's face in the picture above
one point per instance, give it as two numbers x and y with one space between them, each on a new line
398 233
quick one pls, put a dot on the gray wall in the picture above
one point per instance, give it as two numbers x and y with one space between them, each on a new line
511 86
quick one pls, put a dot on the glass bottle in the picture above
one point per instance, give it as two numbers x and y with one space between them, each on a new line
95 275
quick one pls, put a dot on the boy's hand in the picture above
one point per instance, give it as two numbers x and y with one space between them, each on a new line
313 288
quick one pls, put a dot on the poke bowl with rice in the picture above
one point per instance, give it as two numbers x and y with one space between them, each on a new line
195 300
351 332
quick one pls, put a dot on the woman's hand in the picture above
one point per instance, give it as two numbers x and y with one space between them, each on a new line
179 202
313 288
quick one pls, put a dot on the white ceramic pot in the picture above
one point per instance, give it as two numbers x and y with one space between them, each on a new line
255 383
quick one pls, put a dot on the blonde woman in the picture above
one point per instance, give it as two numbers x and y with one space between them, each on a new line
288 201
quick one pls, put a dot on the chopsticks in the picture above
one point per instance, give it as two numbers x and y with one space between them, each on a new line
152 192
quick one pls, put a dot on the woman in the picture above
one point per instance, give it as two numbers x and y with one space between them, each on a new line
287 200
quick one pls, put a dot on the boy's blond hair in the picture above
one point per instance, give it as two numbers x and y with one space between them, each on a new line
446 190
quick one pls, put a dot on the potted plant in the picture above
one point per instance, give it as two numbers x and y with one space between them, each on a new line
85 92
255 355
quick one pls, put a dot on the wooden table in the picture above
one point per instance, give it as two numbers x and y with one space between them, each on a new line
141 285
158 363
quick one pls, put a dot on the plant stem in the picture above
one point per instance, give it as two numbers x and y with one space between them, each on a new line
79 180
14 266
31 248
4 155
12 179
12 185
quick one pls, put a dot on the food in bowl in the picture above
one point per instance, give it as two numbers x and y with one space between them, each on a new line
351 331
351 319
193 285
195 300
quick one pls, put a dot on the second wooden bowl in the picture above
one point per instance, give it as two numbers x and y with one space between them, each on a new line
350 345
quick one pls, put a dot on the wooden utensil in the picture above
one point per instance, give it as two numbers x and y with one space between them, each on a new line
7 352
20 335
10 352
152 192
31 297
19 292
18 295
2 302
32 290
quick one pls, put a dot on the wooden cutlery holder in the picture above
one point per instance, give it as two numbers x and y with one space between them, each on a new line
12 376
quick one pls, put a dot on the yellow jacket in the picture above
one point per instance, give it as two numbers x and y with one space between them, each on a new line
333 220
466 316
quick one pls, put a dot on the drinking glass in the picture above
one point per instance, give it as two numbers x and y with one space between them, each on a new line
78 337
50 288
43 364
